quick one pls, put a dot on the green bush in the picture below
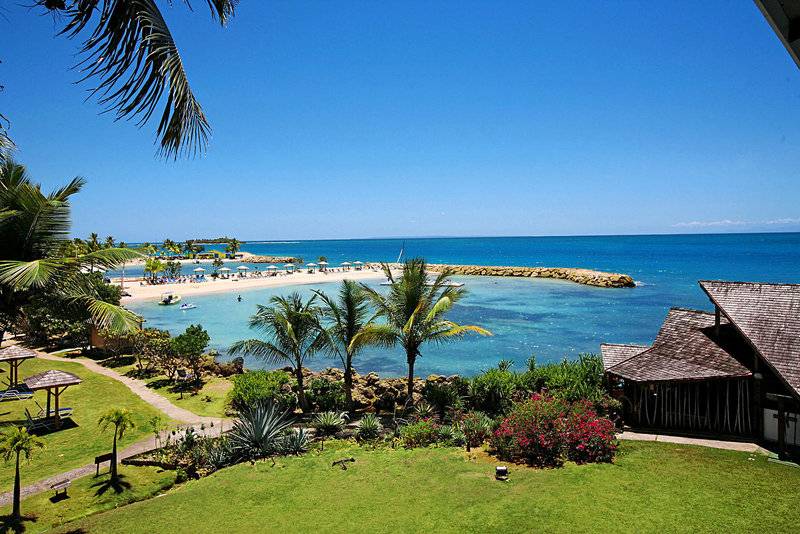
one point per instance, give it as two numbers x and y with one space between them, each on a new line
477 427
581 379
329 423
420 434
447 396
253 386
369 427
326 395
493 391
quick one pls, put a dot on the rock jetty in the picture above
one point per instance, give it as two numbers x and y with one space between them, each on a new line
252 258
580 276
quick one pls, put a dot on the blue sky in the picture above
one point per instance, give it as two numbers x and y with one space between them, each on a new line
361 119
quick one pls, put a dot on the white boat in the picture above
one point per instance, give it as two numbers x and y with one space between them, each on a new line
169 298
188 306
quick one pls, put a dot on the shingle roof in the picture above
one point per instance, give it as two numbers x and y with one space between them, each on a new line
685 349
16 352
51 378
769 316
614 353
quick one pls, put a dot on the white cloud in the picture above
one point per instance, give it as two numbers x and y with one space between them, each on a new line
729 223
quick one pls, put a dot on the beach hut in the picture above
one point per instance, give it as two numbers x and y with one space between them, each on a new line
14 356
735 371
311 267
224 270
323 265
242 269
289 267
54 382
346 265
358 265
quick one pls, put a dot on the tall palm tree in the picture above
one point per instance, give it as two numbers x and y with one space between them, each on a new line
122 421
153 266
37 256
16 442
414 310
294 336
233 246
93 245
110 243
129 54
350 329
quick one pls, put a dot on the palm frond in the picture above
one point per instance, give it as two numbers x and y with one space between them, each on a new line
111 316
260 349
27 274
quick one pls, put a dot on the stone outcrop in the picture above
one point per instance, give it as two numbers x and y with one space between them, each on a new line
373 393
252 258
580 276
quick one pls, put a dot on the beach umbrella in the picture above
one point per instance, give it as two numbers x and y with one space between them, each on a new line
323 263
271 267
243 268
346 263
199 270
225 269
288 264
358 263
311 264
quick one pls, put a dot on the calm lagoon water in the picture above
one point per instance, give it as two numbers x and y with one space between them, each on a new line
547 318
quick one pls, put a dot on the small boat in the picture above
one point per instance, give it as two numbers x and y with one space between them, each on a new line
188 306
169 298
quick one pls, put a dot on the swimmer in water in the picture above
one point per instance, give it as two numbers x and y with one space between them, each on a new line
239 298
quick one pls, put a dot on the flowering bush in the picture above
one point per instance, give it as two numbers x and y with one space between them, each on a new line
421 433
543 430
477 427
589 438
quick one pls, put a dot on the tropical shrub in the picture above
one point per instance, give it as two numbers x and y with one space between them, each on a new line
258 431
326 395
532 432
423 410
369 427
422 433
330 423
254 386
190 347
493 391
589 438
295 441
545 430
477 427
446 396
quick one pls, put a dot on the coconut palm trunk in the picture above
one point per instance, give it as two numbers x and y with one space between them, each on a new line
301 390
16 514
114 457
411 358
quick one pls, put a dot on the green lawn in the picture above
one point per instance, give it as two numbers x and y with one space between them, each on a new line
90 495
209 401
77 444
653 487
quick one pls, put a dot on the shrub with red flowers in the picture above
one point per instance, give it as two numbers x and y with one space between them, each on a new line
543 431
589 438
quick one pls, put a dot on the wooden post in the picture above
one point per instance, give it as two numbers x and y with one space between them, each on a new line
57 393
48 403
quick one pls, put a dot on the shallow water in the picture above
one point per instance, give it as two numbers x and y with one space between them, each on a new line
547 318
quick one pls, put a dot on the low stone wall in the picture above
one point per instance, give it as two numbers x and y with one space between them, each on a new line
270 259
580 276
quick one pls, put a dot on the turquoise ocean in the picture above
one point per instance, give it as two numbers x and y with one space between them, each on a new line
548 319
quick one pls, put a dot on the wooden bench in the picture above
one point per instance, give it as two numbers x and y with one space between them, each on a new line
100 459
61 486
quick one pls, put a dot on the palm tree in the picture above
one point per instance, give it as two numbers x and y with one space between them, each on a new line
122 421
233 246
129 53
153 266
16 442
295 335
350 329
414 310
37 256
148 249
110 242
92 245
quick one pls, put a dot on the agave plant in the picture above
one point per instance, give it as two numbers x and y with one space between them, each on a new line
330 423
369 427
258 430
423 410
295 441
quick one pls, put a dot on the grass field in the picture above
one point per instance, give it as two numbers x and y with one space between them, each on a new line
75 444
90 495
209 401
652 487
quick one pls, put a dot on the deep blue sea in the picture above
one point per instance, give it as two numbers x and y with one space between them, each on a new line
546 318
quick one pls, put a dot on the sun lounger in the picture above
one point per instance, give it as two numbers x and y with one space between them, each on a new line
15 394
62 412
34 424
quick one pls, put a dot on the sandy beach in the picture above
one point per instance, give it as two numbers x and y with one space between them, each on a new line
140 292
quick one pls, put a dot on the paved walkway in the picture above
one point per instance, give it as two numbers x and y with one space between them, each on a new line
181 415
713 443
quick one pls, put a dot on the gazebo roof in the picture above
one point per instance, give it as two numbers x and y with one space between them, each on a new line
50 379
16 352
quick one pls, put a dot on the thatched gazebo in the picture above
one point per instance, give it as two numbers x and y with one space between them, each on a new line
55 382
14 356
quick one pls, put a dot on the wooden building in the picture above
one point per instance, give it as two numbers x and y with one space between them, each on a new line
733 372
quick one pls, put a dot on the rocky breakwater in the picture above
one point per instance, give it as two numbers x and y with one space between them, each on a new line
253 258
580 276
